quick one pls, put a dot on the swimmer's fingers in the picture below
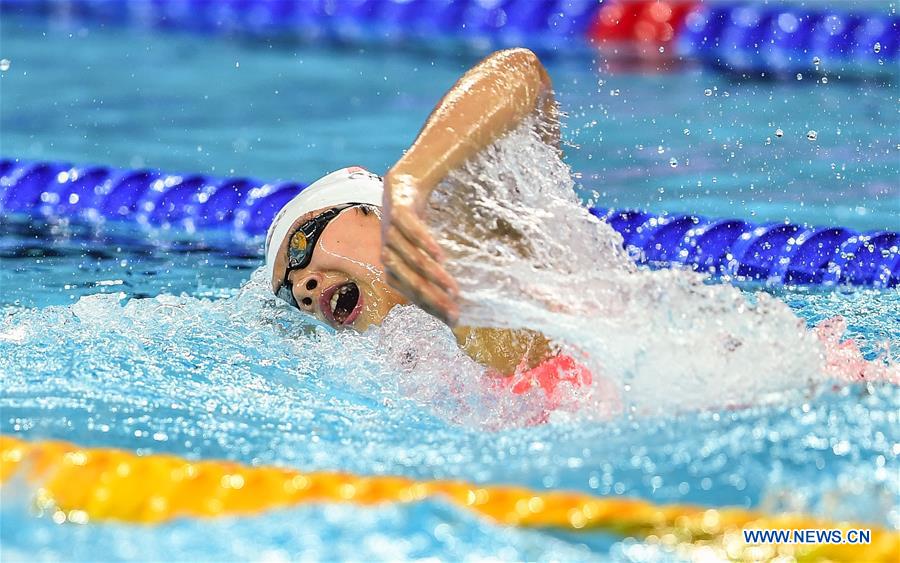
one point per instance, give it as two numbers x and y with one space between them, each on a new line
419 290
420 261
410 225
412 258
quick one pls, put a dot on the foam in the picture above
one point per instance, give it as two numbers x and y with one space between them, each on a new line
527 255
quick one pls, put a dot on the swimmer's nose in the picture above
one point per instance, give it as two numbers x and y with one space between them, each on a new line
307 291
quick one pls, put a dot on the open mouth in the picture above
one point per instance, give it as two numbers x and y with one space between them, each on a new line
341 304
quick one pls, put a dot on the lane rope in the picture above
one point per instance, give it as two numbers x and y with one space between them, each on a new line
748 37
775 253
79 485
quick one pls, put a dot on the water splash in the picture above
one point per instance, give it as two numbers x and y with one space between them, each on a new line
243 354
528 255
247 379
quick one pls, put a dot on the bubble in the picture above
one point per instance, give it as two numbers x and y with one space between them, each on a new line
799 76
673 162
824 80
614 92
686 132
660 149
4 65
817 61
707 92
812 135
779 133
877 47
662 49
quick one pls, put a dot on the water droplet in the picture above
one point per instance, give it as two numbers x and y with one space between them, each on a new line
614 92
799 76
707 92
686 132
779 133
662 49
768 140
877 47
817 61
660 149
824 80
4 65
812 135
673 162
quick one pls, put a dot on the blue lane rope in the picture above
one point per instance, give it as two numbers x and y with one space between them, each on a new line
737 36
544 25
756 38
777 253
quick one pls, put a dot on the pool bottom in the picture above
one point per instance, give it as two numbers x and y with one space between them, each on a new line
329 532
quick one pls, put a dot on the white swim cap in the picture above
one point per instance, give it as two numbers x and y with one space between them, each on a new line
354 184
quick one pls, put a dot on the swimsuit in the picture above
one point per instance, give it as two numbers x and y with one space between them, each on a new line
548 376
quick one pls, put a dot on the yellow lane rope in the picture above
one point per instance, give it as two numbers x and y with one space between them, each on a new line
81 484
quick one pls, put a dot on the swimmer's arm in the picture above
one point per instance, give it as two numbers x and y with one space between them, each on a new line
487 102
490 100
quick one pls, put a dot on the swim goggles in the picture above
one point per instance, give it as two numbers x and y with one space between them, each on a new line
301 244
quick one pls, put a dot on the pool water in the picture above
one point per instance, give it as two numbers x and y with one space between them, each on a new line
110 338
188 104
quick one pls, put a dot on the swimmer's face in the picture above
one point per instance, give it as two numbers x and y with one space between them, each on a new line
344 284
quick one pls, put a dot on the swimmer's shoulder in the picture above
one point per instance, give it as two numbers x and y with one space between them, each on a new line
504 350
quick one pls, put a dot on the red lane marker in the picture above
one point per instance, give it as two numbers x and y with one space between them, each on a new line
639 21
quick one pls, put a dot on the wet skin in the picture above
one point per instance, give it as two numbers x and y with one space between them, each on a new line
349 252
344 284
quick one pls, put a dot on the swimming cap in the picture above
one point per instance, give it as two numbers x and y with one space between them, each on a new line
354 184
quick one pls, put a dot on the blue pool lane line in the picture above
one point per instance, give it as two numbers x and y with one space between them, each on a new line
544 25
787 38
776 253
774 38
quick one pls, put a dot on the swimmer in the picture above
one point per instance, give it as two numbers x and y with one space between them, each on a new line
352 245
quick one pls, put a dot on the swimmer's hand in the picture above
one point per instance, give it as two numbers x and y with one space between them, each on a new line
412 258
491 99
